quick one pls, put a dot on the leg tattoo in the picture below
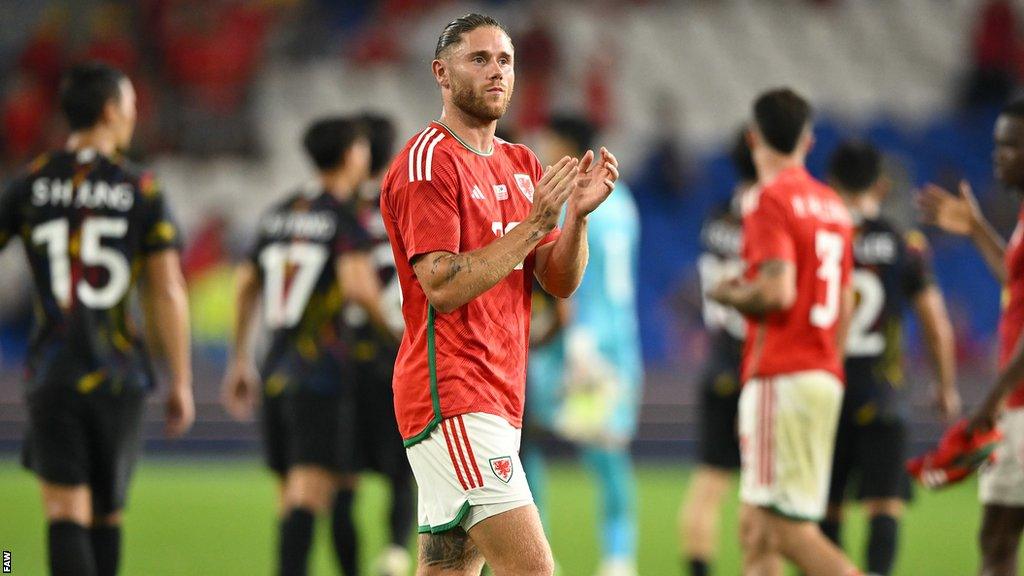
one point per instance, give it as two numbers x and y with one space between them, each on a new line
451 550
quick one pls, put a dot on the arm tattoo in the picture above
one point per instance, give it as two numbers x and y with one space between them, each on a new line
456 264
751 299
453 270
451 258
451 550
437 260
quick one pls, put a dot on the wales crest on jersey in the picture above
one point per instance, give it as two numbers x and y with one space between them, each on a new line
525 184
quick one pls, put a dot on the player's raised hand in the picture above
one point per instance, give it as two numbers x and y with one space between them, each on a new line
595 182
180 410
553 190
238 391
955 214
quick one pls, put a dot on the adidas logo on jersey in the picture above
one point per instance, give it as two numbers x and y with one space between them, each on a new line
477 194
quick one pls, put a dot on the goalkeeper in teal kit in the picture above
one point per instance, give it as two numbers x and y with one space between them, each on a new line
585 371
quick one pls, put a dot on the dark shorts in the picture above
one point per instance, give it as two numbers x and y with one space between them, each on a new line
91 439
719 399
868 462
380 444
303 428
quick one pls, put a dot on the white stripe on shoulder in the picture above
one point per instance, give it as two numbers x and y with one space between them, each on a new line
412 152
419 153
430 152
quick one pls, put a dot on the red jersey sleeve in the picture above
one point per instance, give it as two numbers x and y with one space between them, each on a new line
426 213
766 233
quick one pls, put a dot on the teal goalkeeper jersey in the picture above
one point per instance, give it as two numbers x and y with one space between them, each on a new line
604 306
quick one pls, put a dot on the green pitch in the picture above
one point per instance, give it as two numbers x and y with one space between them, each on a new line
207 517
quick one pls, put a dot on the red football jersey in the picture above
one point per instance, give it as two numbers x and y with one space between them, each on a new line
1011 323
798 220
442 195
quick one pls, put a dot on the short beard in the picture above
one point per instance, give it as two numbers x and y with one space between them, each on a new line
475 106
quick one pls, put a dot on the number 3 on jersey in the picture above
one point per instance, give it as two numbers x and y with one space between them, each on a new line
290 274
829 247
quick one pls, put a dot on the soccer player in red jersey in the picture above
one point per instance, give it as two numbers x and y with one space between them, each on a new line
796 296
471 219
1001 488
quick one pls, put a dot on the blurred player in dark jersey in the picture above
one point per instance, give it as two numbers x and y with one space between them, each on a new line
721 238
311 258
374 352
92 225
892 272
1001 486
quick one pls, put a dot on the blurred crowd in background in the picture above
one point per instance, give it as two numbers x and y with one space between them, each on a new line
226 86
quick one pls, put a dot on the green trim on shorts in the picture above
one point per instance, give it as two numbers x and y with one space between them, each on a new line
459 517
434 398
792 517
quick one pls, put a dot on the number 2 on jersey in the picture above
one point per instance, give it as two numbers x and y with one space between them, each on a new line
55 236
861 339
290 274
829 247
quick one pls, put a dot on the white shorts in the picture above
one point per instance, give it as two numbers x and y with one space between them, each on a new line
787 429
468 470
1003 481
